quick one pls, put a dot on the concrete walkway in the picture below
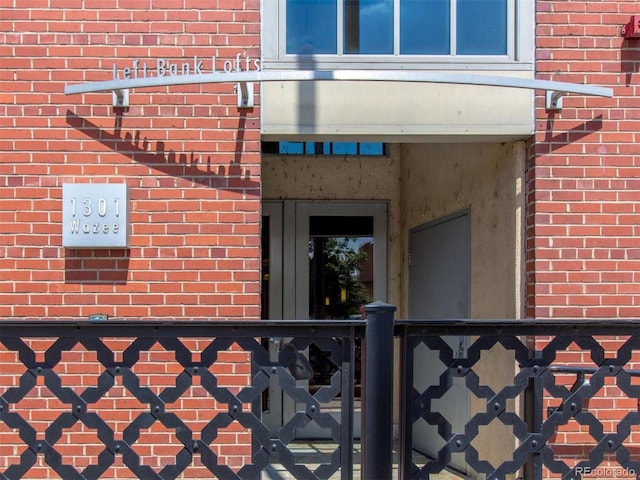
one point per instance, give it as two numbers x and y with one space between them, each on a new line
311 453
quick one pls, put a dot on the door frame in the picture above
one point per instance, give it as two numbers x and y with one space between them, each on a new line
289 268
429 445
272 418
288 297
304 210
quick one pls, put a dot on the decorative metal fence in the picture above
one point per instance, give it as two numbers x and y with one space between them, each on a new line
131 359
569 409
555 399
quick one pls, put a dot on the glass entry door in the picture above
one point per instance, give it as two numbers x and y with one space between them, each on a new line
323 261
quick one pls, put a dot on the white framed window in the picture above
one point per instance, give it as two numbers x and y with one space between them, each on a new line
420 32
326 148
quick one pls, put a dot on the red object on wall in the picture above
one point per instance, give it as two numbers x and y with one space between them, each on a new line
632 29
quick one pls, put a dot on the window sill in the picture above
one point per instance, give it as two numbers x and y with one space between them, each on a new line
384 62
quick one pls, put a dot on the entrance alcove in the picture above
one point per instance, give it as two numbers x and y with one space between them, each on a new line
421 183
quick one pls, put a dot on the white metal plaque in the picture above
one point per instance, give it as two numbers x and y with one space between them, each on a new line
95 215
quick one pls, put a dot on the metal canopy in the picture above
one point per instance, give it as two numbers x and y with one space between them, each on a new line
244 82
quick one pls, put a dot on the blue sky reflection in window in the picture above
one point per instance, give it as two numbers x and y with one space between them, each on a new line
368 26
482 27
331 148
426 26
312 27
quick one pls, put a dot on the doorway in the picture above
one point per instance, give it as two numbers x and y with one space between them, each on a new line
321 261
439 288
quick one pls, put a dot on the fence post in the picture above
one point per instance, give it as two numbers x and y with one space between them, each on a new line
534 415
377 399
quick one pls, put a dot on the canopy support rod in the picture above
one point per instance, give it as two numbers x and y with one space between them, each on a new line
244 82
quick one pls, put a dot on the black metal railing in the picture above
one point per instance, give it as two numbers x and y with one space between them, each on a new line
183 399
131 358
555 369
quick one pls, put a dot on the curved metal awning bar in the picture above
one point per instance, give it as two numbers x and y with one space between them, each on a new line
555 90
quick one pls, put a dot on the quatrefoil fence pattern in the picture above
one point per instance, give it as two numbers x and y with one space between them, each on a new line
234 404
570 406
567 404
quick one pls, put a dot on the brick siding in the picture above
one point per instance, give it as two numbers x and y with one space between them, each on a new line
583 246
189 156
192 162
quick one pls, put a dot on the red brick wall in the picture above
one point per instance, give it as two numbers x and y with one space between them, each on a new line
583 227
81 441
583 244
189 156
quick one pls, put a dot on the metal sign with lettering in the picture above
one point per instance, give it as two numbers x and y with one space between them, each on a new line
168 68
95 215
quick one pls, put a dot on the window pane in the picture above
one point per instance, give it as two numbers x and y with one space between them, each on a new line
367 148
311 26
425 27
317 148
345 148
324 148
296 148
368 26
482 27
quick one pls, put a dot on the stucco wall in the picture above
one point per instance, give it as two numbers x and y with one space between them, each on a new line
423 182
486 179
313 177
441 179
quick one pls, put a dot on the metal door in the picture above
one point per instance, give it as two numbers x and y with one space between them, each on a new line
439 273
298 287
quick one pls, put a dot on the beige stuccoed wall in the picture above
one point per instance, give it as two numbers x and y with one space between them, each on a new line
438 180
312 177
424 182
441 179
